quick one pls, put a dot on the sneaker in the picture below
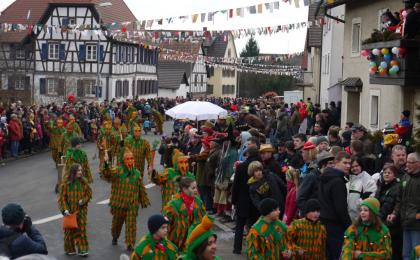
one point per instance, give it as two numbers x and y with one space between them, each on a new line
114 241
83 253
70 253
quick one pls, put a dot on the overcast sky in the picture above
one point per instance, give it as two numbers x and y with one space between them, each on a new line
277 43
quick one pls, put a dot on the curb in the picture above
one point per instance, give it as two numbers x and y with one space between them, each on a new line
24 156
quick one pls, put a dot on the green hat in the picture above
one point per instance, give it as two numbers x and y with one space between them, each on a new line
199 234
373 204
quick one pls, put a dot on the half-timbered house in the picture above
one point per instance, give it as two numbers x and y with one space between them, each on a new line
72 52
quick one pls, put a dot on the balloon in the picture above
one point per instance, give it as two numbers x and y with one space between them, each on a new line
364 53
372 64
373 70
396 68
383 72
385 51
388 57
394 63
402 51
395 50
384 65
376 52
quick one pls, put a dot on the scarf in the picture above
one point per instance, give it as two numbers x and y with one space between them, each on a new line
189 202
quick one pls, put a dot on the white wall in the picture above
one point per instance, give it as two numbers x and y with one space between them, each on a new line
173 93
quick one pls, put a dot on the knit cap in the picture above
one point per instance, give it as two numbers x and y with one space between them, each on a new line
155 222
309 145
322 139
267 206
200 234
373 204
12 214
311 206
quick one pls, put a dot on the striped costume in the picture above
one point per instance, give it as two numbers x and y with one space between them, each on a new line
167 182
150 249
127 193
266 240
179 219
67 141
76 128
141 150
70 195
109 142
308 236
56 141
373 244
80 157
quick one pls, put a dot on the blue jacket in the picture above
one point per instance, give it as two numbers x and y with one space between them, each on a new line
24 244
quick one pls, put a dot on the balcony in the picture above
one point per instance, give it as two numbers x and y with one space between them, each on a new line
409 63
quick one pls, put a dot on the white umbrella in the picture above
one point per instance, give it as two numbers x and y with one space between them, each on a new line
196 110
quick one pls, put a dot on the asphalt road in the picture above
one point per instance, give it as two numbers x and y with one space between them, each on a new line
30 182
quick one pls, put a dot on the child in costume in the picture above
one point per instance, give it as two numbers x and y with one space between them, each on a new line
76 155
141 150
167 179
184 211
155 245
106 142
368 238
57 131
75 195
267 237
201 242
306 237
127 193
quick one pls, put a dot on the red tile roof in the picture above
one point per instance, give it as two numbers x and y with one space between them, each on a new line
18 12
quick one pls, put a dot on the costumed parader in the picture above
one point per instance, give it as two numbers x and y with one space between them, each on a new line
141 149
201 242
155 245
75 154
127 194
57 130
106 143
167 179
158 118
69 134
75 195
76 127
184 211
133 121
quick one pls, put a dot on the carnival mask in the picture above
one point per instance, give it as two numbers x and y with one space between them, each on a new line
117 123
183 164
108 128
137 132
59 123
129 160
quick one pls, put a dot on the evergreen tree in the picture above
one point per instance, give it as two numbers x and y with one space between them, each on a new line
251 49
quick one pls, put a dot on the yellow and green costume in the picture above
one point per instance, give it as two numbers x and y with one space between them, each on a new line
158 118
67 137
56 141
108 142
150 249
79 156
141 150
266 240
70 195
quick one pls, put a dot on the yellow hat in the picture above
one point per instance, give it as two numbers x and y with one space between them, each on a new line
391 139
266 148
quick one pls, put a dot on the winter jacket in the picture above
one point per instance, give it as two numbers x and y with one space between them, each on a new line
15 131
387 194
210 167
332 196
359 187
408 203
270 186
308 189
291 206
25 243
240 189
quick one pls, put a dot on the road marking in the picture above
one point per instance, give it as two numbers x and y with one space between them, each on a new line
104 202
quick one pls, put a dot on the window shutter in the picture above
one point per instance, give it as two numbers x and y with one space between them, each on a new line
156 57
133 88
65 21
132 54
126 54
44 52
119 54
12 52
82 52
62 52
101 53
61 87
99 91
141 55
42 86
27 83
80 89
10 83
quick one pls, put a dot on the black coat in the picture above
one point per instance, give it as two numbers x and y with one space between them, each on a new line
332 196
240 189
274 166
387 194
308 189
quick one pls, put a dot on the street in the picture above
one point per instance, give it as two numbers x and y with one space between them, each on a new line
30 182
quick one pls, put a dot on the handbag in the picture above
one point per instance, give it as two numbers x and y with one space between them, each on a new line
70 221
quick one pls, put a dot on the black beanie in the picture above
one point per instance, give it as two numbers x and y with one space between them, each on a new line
75 141
406 113
311 206
267 206
155 222
12 214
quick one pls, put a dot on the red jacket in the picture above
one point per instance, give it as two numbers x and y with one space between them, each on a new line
15 131
291 205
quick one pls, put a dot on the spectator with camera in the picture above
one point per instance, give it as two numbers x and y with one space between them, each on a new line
17 235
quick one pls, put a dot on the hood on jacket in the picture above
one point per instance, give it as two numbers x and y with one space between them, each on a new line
6 232
330 174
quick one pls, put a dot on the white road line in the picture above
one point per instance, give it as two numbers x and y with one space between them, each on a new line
104 202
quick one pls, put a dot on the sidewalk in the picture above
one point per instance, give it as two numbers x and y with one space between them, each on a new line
22 156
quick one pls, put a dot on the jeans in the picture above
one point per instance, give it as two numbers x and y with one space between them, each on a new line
335 239
206 196
14 147
411 239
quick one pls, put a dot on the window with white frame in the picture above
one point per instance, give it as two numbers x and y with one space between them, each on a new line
356 29
20 54
53 51
374 108
52 86
89 87
20 83
91 52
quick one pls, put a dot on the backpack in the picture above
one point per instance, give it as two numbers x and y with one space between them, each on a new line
5 245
